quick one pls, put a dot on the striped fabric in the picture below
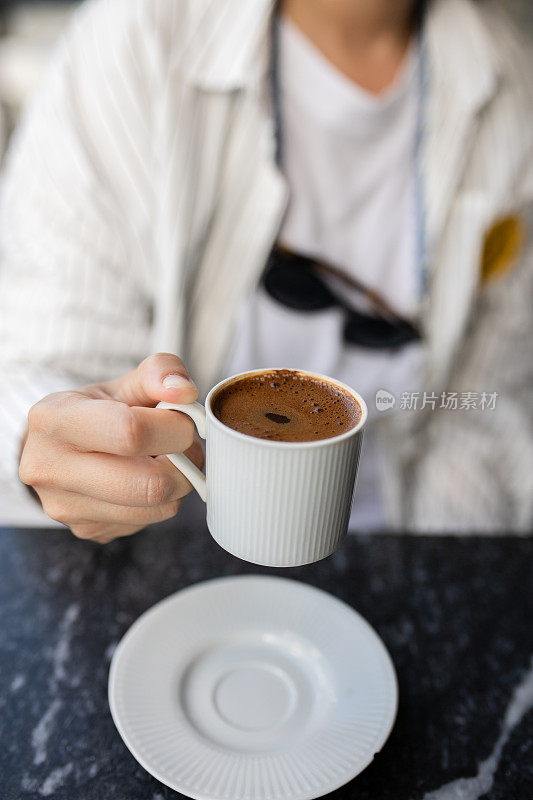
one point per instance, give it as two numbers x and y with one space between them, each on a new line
141 198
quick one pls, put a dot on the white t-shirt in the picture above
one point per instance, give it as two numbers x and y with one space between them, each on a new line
348 156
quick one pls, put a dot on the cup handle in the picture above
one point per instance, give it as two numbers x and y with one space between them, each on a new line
196 412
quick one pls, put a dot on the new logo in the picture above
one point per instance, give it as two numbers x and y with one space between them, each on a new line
385 400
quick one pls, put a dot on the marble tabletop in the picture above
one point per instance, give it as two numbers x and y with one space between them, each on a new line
455 613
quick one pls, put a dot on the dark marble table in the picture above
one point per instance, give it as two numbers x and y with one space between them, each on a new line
455 613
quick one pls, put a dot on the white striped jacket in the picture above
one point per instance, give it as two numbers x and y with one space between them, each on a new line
141 198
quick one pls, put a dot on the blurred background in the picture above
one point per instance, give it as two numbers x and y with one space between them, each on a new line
28 31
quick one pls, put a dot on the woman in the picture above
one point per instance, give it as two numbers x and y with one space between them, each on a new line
173 145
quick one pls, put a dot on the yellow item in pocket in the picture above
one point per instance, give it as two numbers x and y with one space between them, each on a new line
504 242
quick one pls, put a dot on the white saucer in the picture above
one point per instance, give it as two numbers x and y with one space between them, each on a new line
252 688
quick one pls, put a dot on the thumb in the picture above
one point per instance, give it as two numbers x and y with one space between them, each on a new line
159 377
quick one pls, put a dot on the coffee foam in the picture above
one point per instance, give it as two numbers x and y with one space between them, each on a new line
287 406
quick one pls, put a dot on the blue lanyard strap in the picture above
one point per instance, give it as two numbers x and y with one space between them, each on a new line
275 85
420 205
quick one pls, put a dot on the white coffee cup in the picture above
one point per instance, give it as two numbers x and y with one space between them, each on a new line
280 504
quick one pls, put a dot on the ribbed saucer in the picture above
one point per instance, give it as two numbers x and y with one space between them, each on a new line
252 688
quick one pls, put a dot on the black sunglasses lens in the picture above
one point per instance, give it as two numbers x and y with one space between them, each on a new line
376 333
291 280
297 287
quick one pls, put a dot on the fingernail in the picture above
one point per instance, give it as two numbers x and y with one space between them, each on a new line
177 382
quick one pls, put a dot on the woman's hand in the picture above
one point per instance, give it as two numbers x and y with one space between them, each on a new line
95 455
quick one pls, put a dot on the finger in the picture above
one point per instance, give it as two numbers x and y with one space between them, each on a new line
196 453
102 533
159 377
107 426
71 508
114 479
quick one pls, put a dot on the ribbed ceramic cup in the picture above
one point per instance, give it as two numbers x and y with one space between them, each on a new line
280 504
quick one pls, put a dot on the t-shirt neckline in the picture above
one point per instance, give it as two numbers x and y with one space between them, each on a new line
313 84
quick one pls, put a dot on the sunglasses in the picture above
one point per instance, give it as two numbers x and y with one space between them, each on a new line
305 284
